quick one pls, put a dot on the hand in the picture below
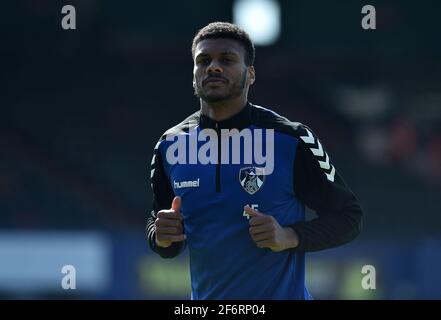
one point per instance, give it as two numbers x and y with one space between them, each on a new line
266 232
168 225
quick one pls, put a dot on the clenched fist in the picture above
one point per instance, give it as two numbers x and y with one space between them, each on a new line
168 225
266 232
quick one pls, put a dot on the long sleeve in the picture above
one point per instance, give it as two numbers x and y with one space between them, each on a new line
321 188
162 198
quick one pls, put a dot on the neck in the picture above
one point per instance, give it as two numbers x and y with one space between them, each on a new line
222 110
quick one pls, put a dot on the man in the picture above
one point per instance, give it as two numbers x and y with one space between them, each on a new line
243 220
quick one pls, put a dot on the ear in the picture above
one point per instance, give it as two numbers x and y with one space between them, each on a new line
251 75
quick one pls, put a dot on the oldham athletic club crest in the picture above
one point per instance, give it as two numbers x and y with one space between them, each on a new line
251 179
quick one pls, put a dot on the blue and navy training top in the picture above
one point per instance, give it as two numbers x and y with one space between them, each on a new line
225 263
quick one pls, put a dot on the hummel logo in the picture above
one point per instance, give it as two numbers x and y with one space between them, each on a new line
186 184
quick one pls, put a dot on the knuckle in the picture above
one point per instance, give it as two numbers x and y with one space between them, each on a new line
160 214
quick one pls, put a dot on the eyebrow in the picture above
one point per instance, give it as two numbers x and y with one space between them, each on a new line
224 53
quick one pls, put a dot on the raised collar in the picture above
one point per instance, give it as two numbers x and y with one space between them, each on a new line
239 121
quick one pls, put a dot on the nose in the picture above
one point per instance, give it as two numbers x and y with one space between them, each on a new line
214 67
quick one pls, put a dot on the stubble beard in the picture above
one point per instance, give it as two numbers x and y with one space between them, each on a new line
235 91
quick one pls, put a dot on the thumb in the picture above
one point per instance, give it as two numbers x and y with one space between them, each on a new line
176 204
251 211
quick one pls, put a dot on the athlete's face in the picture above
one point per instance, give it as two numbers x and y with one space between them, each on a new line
220 72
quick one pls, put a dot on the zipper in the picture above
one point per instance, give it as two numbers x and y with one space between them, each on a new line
218 186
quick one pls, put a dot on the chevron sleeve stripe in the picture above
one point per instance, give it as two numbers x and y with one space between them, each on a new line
317 150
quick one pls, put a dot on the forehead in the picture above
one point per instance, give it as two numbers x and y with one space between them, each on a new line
218 46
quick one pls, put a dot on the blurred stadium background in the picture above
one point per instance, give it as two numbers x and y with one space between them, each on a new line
81 111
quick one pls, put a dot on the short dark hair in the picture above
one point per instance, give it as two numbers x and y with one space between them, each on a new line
226 30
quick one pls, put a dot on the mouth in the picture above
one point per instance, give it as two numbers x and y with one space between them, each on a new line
215 81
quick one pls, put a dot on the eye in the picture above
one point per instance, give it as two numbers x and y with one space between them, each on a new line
227 60
203 61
